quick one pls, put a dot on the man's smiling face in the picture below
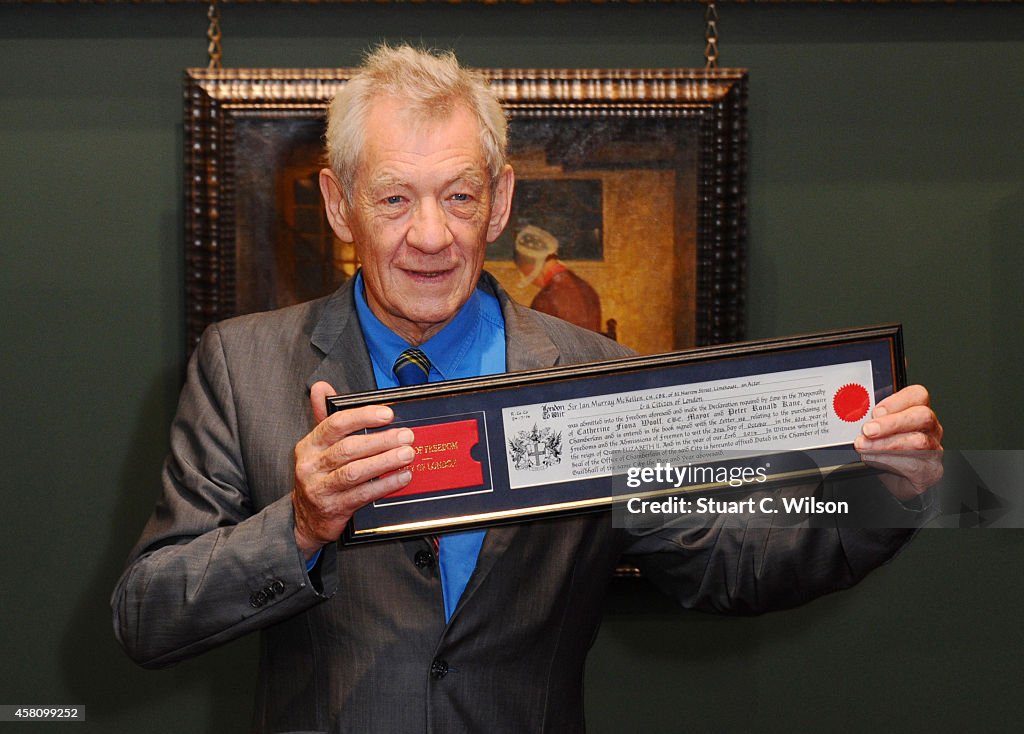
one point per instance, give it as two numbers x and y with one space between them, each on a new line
421 216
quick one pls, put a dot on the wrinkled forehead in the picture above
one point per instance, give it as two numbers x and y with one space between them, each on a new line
391 124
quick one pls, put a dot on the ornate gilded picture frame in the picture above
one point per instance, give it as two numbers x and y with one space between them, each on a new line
632 181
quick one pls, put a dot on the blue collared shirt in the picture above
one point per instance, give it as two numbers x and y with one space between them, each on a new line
470 345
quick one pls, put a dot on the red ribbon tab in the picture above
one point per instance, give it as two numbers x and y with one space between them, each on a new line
443 460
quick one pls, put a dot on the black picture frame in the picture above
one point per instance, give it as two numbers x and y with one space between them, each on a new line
468 462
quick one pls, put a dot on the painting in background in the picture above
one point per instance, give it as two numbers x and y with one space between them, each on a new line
629 215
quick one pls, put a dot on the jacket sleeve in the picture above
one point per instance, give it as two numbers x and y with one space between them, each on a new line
208 568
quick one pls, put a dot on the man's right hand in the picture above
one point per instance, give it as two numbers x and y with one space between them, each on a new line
338 469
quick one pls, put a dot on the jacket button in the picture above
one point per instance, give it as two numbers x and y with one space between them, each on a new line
424 559
438 669
255 602
277 587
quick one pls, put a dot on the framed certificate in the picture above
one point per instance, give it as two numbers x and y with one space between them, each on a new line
526 445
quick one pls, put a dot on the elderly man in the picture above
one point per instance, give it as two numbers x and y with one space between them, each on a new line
489 632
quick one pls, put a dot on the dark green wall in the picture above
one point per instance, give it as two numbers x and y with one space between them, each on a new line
887 183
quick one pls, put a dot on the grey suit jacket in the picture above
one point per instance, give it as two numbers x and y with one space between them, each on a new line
361 644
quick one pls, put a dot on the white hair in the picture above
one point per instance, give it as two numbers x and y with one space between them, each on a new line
430 85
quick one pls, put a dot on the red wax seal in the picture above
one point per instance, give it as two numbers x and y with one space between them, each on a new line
851 402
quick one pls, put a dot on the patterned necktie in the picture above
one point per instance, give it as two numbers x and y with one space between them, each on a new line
456 552
411 367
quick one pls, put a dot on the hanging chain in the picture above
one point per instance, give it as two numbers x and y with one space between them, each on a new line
710 35
214 35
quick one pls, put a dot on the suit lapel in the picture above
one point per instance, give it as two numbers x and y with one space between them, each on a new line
527 345
338 337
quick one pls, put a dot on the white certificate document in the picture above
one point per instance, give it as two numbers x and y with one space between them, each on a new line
586 438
